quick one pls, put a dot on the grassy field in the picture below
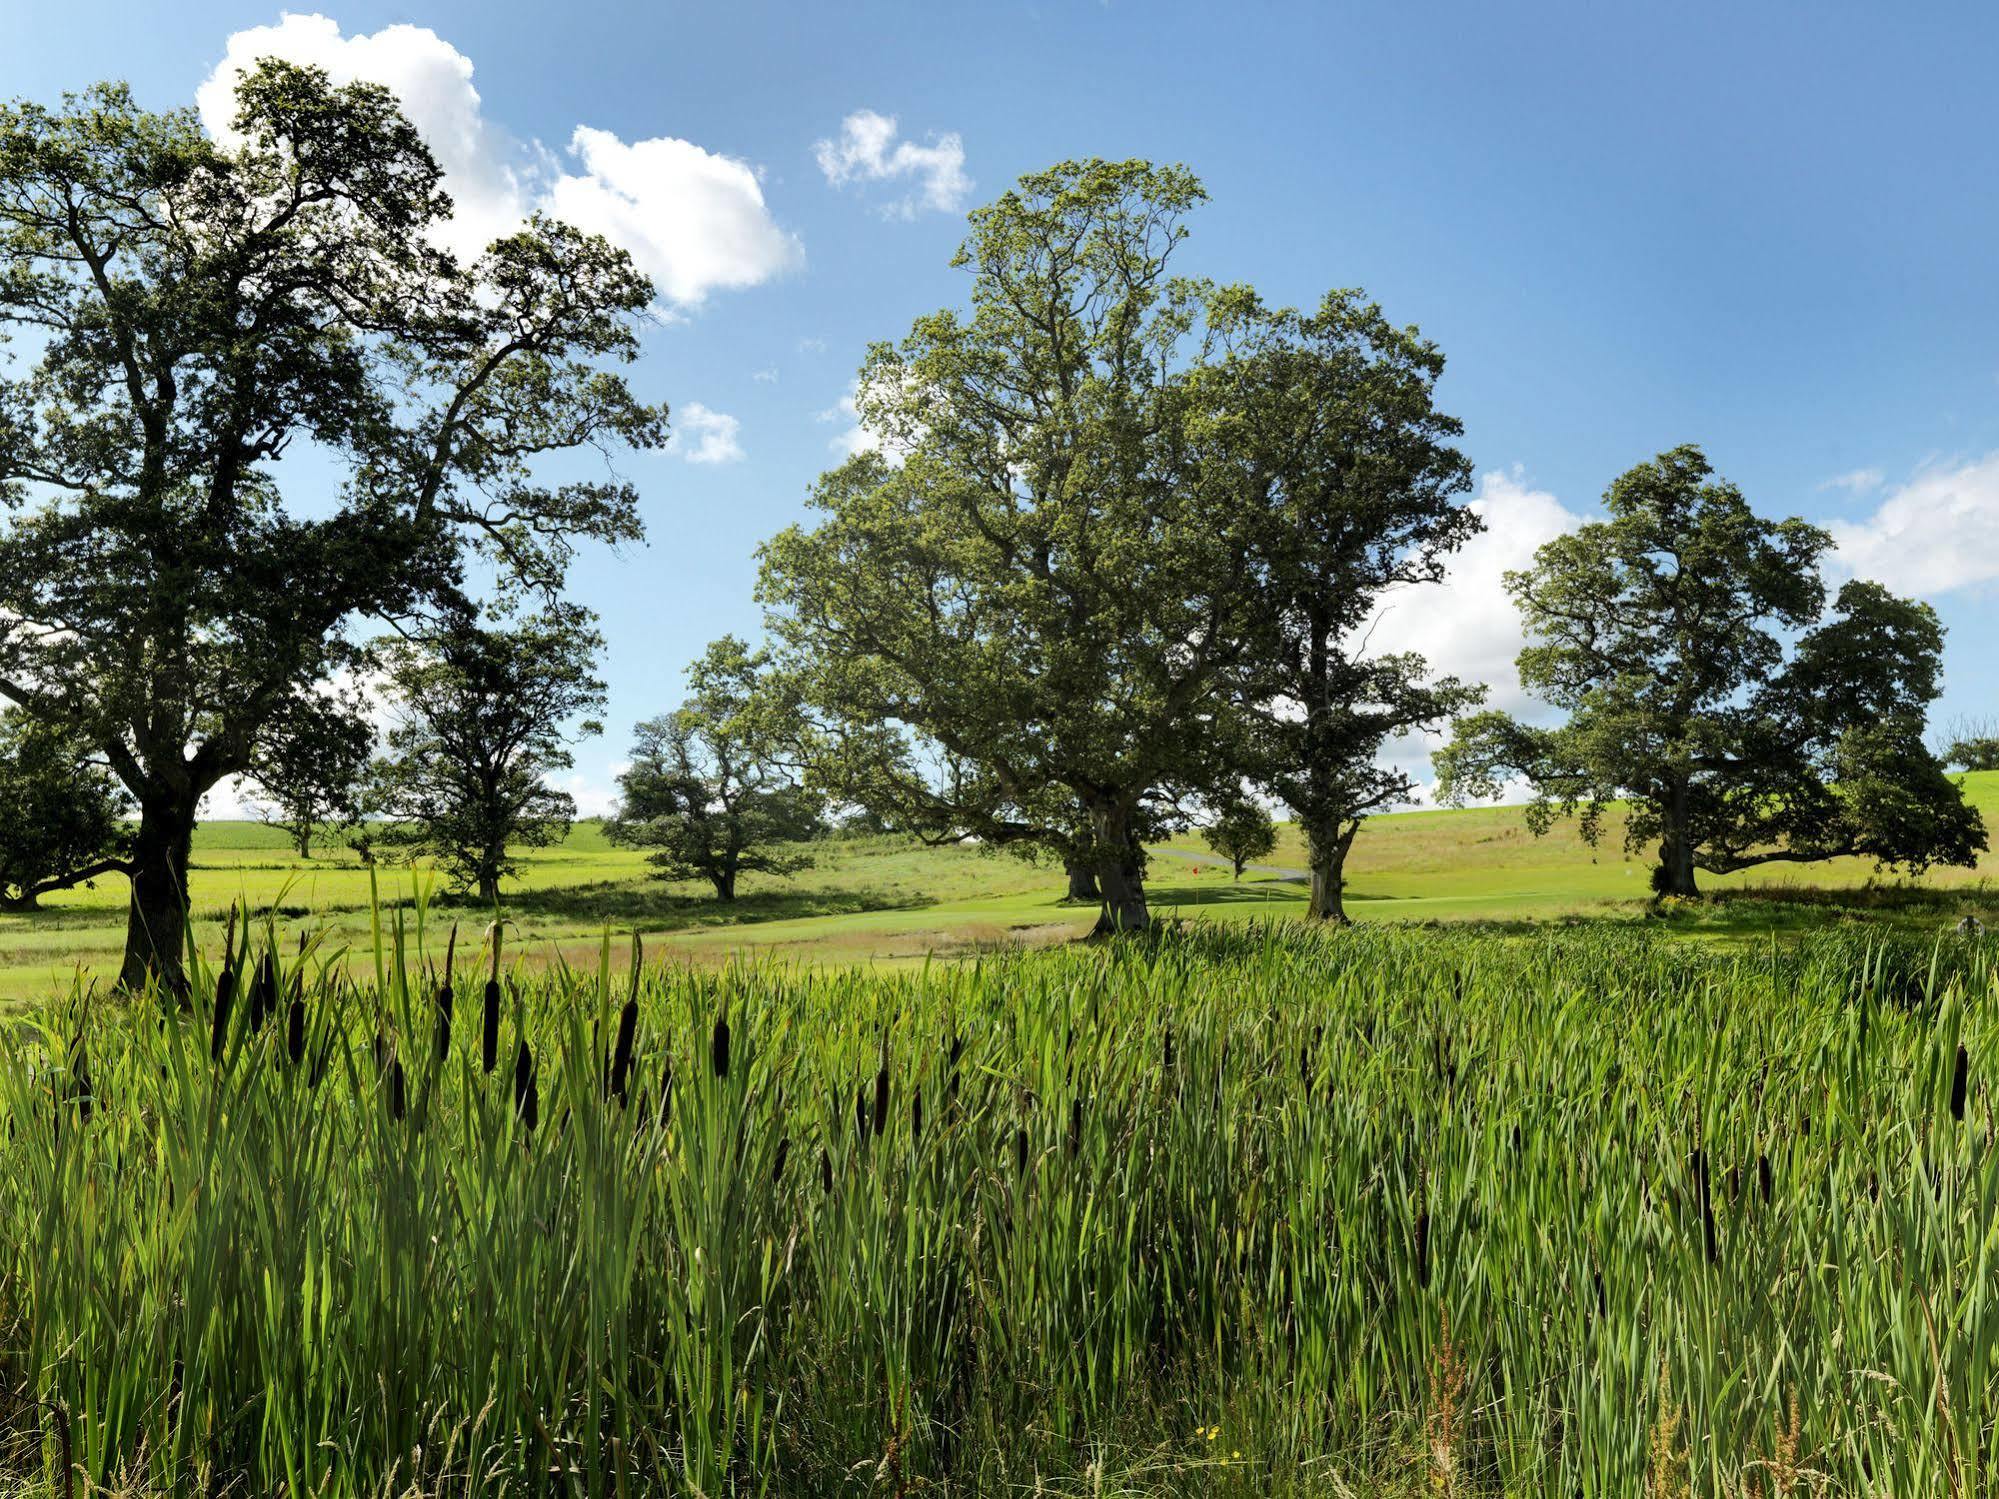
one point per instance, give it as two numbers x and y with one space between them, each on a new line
887 901
1244 1211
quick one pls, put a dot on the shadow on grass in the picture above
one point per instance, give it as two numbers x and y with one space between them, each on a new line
1270 892
626 903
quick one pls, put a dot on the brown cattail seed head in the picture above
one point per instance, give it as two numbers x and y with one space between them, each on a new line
621 1057
527 1096
489 1033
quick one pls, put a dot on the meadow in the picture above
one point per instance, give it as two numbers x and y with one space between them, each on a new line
888 901
1243 1210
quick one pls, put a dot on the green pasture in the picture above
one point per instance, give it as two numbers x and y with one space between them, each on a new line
886 900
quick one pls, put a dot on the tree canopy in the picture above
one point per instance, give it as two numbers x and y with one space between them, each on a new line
1662 632
483 719
1241 831
709 790
61 815
1329 419
192 311
310 765
1028 617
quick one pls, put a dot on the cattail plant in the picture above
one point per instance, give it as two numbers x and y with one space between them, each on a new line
225 993
489 1035
444 996
264 993
527 1092
718 1046
628 1031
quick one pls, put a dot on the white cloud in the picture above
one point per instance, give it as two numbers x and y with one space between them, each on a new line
764 376
692 220
704 436
852 437
485 170
1466 626
868 151
592 799
1936 532
1856 481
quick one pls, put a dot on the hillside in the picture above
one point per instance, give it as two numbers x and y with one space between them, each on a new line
875 900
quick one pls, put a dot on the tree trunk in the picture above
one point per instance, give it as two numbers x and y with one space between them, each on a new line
1328 854
15 905
724 881
305 844
1675 874
156 918
1120 874
1238 867
1082 882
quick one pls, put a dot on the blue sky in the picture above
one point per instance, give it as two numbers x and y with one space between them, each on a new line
1768 229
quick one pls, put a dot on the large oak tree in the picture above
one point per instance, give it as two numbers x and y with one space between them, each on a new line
1021 621
1708 686
1328 420
190 312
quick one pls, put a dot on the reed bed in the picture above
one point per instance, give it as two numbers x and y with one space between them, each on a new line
1250 1212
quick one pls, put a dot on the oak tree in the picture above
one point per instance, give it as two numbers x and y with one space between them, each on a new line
310 766
711 792
1018 618
1241 832
1330 422
192 310
61 814
484 717
1662 632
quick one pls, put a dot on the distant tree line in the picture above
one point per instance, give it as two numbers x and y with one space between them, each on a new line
1105 569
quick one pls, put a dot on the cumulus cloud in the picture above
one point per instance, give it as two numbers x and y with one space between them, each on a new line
693 220
592 799
1936 532
704 436
1466 626
867 150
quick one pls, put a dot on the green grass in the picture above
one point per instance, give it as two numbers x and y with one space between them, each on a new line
1247 1211
889 901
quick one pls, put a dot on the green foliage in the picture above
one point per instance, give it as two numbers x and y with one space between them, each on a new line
1661 632
1109 508
1241 832
61 817
1329 419
1210 1215
708 791
311 762
1977 752
483 719
991 619
195 308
